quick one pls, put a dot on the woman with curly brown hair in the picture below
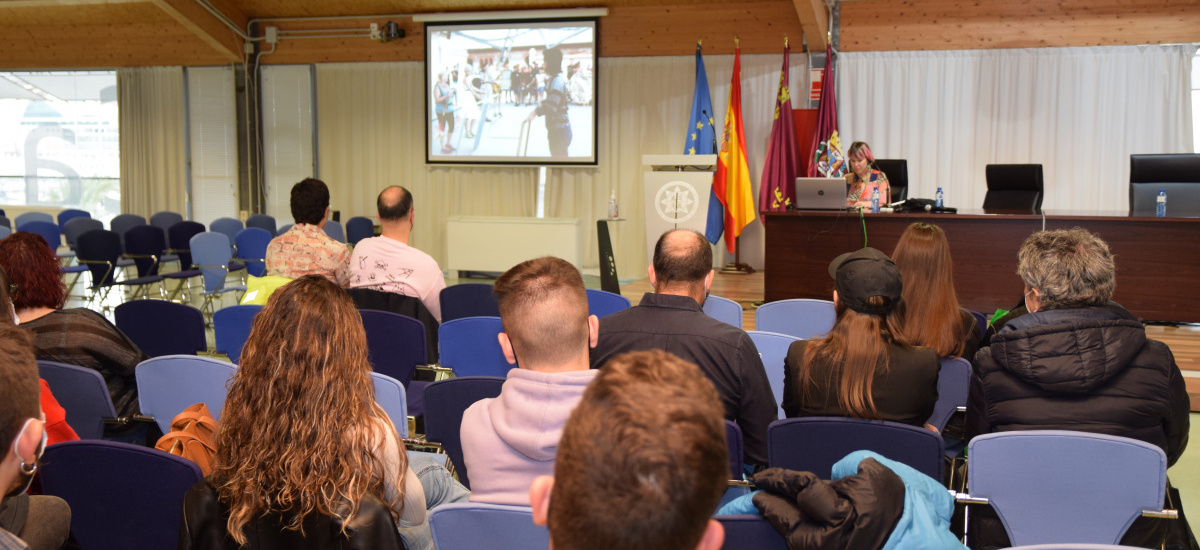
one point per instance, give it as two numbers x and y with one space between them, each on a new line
300 435
76 336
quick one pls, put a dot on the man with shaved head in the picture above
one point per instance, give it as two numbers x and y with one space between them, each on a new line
671 319
512 439
387 263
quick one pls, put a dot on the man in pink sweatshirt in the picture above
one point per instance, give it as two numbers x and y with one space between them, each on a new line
512 439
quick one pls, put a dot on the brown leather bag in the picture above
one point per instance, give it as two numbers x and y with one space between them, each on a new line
192 436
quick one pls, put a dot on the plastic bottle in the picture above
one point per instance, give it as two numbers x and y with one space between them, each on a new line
1160 208
875 200
940 198
613 211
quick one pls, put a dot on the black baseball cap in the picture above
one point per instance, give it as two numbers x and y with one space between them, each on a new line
862 274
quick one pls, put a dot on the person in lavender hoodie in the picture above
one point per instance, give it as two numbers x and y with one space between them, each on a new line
512 439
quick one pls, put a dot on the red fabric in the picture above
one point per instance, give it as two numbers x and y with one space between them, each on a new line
805 121
57 429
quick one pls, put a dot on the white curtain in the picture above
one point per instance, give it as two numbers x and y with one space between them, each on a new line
1079 112
371 135
153 156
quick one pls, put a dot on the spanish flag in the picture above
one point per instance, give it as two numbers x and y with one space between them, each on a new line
731 182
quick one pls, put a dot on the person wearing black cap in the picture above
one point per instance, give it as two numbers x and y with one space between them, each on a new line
864 368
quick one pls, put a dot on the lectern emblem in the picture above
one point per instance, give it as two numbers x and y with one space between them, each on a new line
677 201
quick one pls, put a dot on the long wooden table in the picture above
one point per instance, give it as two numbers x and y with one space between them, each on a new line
1158 259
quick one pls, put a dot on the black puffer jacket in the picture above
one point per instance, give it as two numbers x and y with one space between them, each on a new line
1085 369
857 511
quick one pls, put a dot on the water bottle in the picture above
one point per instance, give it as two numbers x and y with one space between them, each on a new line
875 200
1160 209
613 210
940 202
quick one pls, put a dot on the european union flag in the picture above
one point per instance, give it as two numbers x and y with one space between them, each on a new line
702 140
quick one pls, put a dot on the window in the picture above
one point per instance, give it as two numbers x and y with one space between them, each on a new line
1196 103
59 142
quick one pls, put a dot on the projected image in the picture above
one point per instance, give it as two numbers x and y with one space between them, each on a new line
519 93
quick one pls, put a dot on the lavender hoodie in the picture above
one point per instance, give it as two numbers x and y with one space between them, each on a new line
510 440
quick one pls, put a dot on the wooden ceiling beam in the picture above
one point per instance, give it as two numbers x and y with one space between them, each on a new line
206 26
12 4
814 18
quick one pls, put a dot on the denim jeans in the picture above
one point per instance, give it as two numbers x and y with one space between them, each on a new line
440 487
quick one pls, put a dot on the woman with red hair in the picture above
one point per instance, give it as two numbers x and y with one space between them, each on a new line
76 336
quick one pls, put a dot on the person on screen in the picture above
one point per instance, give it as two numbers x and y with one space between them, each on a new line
443 97
468 108
554 107
864 178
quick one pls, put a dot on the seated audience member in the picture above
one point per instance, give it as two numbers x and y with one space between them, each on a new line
305 249
56 417
301 436
671 319
389 264
77 336
642 463
930 315
37 522
1076 361
864 368
510 440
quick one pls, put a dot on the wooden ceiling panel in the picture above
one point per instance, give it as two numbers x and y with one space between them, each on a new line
877 25
318 8
98 35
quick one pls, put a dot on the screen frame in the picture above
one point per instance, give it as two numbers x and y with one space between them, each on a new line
430 121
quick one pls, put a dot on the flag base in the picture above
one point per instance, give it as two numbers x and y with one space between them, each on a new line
737 269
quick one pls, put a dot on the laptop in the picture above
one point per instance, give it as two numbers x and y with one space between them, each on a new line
820 193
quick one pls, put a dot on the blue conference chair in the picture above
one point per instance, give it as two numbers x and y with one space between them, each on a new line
445 402
5 231
159 327
227 226
724 310
474 525
772 349
252 249
70 214
121 495
750 532
803 318
468 300
146 246
165 219
395 343
390 395
168 385
283 229
359 228
602 303
47 230
954 380
78 226
26 217
262 221
82 393
469 347
1055 486
99 250
212 256
814 444
122 222
733 441
231 328
334 231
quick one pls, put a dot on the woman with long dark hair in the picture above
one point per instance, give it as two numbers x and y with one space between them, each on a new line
930 315
864 368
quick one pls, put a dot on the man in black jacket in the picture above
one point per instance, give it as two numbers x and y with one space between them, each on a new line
1076 361
671 319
